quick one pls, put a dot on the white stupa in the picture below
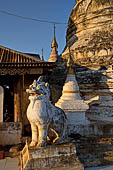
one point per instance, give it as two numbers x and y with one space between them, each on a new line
71 101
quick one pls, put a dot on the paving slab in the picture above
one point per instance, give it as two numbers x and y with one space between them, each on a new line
110 167
9 164
2 164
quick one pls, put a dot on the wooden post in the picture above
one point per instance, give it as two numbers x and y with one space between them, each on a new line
1 103
17 100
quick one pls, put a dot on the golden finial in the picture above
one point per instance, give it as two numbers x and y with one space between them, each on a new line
70 63
42 58
77 1
54 42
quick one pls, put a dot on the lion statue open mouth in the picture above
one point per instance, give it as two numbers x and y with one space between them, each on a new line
48 123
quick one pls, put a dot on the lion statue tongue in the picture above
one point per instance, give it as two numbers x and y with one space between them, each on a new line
45 118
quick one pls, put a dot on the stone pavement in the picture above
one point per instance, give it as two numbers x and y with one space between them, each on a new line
12 164
9 164
110 167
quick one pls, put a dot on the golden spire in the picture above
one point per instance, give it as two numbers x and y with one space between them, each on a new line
70 63
42 58
54 42
54 54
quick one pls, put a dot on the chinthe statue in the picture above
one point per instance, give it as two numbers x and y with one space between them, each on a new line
48 123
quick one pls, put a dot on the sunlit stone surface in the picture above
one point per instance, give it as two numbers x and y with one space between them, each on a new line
90 28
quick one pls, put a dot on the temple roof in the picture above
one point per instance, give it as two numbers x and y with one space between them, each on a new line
14 62
12 56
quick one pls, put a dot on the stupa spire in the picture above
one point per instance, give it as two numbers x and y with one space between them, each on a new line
42 57
54 46
54 42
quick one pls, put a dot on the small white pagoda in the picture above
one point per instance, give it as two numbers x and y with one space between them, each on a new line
71 101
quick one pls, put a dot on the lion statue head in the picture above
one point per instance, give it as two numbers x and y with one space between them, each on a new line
39 89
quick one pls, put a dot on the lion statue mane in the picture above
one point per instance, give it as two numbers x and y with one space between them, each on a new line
48 123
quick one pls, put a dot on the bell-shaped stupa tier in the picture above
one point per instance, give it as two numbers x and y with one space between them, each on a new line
90 30
71 101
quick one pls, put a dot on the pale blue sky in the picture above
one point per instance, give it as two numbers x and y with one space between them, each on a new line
30 36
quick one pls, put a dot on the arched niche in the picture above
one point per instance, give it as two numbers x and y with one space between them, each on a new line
1 103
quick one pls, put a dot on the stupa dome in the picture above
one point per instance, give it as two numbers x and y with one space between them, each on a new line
89 29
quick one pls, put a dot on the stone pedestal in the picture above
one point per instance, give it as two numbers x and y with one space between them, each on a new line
54 157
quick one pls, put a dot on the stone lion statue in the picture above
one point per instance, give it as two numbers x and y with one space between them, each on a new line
48 123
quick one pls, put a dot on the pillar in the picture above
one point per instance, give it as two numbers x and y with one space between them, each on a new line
1 103
18 90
